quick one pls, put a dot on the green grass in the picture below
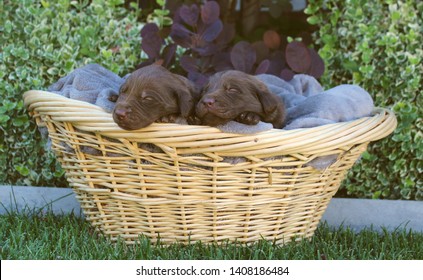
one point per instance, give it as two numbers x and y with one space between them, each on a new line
48 236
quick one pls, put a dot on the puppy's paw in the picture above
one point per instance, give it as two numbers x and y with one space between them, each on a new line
249 118
194 120
171 118
113 97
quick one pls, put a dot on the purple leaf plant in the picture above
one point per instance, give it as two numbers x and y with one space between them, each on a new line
207 44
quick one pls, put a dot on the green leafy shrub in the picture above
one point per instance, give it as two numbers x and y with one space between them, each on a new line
378 45
41 42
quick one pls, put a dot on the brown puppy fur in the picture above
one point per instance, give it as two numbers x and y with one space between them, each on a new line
234 95
153 94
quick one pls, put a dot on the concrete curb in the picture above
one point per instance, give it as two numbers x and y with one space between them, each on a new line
21 198
357 214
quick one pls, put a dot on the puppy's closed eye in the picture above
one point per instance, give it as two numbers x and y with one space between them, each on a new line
147 96
233 90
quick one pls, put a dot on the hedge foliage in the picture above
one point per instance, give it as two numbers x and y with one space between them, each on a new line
378 45
42 41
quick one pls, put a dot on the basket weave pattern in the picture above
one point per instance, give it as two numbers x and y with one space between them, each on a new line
187 183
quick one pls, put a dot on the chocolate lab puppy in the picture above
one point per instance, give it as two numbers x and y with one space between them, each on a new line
234 95
153 94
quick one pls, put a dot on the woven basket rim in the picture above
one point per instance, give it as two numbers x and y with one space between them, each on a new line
92 118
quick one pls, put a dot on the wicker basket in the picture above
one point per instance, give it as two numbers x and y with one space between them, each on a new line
188 183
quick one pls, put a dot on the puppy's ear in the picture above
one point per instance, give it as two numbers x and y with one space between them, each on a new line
186 95
267 99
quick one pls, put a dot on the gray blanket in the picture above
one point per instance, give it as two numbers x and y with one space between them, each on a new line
91 83
307 104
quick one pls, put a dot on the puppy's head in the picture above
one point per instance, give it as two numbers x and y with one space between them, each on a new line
230 93
150 93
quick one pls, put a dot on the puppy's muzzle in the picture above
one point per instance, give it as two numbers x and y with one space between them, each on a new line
206 105
121 114
208 102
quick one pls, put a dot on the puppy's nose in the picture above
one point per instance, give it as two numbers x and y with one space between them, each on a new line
121 114
208 101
